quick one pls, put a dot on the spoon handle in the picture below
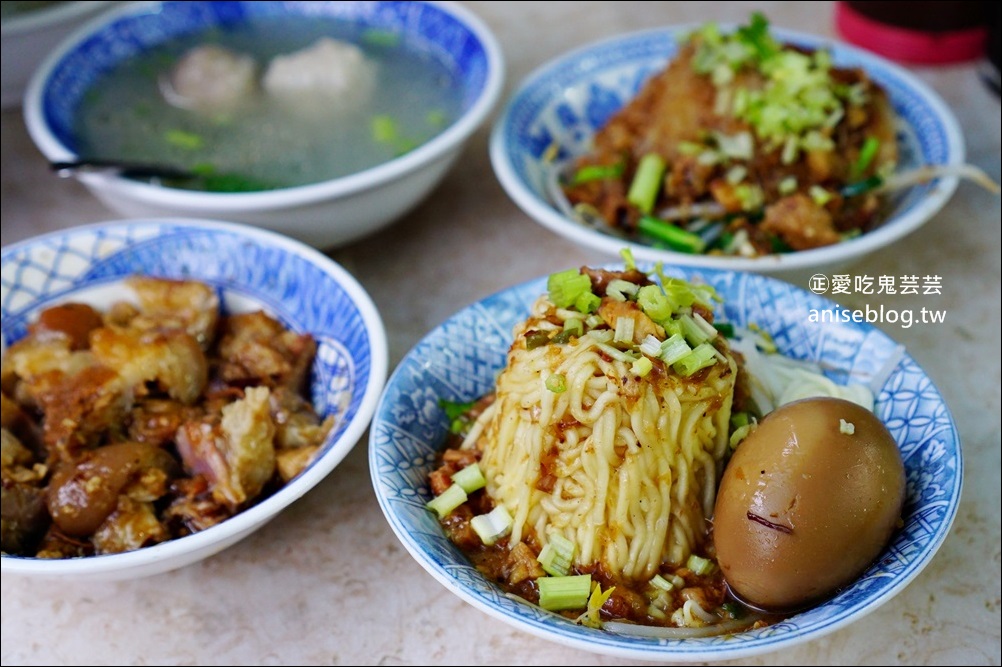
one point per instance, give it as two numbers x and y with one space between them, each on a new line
125 169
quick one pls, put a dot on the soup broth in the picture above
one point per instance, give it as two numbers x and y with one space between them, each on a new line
265 141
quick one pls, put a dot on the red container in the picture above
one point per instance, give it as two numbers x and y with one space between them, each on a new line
916 32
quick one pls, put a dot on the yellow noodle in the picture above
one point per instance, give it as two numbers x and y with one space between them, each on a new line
636 460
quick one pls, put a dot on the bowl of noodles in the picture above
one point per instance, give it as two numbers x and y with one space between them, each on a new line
813 154
551 439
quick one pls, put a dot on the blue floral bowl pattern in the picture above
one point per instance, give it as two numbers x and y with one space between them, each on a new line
459 359
250 269
565 102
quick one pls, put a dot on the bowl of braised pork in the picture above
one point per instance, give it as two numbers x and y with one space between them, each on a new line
169 386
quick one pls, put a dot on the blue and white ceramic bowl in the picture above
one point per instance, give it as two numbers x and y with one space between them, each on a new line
459 359
323 214
251 269
567 100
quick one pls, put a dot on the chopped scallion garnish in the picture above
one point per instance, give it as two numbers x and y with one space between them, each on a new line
866 155
739 419
699 565
535 339
384 129
694 333
557 555
788 185
671 235
436 118
557 383
450 499
188 141
739 434
492 526
597 172
660 582
574 326
726 329
820 195
707 328
646 184
653 301
701 356
383 38
456 413
674 349
734 609
560 593
621 289
624 330
470 478
736 174
618 355
642 366
566 287
651 346
862 187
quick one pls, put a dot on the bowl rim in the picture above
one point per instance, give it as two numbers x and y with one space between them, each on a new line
246 521
617 645
302 195
889 231
47 17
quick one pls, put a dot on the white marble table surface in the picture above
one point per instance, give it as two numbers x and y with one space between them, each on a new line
328 583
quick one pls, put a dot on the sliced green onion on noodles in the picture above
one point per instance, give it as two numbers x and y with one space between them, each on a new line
560 593
567 288
556 557
660 582
642 366
450 499
470 478
620 289
674 349
651 346
557 383
624 330
492 526
701 356
700 565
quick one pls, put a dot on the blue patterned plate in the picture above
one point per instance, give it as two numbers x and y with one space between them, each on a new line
459 359
567 100
251 269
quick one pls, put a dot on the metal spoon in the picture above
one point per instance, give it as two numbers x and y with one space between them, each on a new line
125 169
171 176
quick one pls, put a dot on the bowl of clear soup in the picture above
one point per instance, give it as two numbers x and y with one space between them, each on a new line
325 120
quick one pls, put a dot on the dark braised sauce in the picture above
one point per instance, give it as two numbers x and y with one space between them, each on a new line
515 568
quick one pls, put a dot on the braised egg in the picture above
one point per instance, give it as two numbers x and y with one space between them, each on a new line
809 499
